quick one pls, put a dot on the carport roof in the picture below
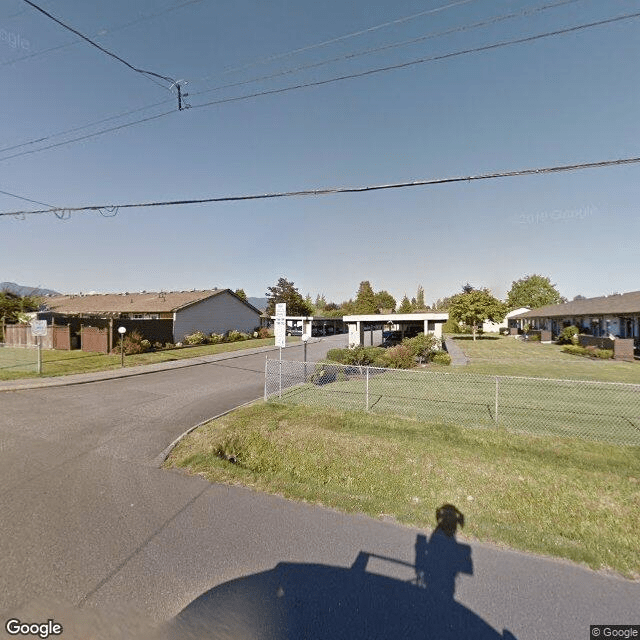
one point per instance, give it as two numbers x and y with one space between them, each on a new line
398 317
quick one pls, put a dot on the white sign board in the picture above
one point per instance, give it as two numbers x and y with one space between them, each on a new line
280 324
38 327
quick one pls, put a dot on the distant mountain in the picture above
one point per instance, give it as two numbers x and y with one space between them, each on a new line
21 290
258 303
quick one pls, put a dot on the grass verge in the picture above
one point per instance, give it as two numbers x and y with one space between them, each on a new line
60 363
559 497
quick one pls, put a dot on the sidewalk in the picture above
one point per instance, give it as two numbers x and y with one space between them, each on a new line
458 359
128 372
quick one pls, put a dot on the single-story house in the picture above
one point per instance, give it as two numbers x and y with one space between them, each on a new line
615 315
176 313
509 321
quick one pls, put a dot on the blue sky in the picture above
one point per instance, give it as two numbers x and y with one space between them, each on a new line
567 99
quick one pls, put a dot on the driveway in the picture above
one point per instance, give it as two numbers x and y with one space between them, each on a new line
92 532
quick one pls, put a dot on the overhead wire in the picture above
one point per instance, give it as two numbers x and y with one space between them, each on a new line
437 34
148 74
102 32
337 190
368 72
13 195
324 43
410 63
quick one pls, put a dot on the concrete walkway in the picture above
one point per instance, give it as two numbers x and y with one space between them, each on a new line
458 359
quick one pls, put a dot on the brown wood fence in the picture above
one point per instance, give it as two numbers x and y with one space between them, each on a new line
94 339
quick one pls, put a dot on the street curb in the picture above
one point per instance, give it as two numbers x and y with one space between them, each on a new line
160 458
114 374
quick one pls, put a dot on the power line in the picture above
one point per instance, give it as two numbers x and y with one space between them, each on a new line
410 63
102 32
333 190
394 45
347 56
287 54
351 76
149 74
13 195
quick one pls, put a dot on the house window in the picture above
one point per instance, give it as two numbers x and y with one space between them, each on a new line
145 316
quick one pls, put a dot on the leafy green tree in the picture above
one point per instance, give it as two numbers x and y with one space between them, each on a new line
420 298
442 304
405 305
365 299
476 306
13 306
532 291
321 303
285 291
384 300
241 294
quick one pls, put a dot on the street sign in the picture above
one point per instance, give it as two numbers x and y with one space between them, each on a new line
280 324
38 327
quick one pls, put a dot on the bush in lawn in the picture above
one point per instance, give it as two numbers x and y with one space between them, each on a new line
360 356
441 357
197 337
574 350
534 337
216 338
337 355
422 346
263 332
398 357
605 354
235 336
133 343
569 335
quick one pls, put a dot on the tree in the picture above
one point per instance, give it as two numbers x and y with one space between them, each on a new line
476 306
532 291
365 299
420 298
405 305
12 306
384 300
285 291
241 294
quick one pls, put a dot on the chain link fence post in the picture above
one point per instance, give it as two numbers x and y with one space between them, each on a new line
367 389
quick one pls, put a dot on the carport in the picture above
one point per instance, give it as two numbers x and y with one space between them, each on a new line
406 323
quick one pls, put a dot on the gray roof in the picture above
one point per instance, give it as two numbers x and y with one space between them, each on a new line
615 304
146 302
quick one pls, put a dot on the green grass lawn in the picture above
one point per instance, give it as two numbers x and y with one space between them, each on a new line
60 363
560 497
607 412
506 356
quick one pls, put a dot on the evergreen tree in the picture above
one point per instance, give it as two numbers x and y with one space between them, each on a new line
405 305
365 299
285 291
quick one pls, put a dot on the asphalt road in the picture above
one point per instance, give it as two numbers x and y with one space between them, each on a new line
93 533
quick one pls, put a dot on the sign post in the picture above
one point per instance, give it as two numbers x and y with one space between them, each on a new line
280 330
39 329
122 331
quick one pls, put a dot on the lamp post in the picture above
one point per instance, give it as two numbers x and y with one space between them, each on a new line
305 339
122 331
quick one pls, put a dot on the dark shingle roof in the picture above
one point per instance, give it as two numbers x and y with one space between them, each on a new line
615 304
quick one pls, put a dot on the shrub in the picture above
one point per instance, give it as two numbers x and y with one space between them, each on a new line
574 350
605 354
422 346
441 357
337 355
398 357
235 336
451 326
169 345
534 337
157 345
263 332
216 338
360 356
569 335
132 343
197 337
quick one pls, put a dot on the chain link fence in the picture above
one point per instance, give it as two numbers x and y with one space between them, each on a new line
603 411
18 357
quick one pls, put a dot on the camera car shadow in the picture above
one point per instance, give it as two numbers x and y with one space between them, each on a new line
314 601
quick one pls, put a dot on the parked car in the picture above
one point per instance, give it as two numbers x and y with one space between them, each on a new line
391 338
